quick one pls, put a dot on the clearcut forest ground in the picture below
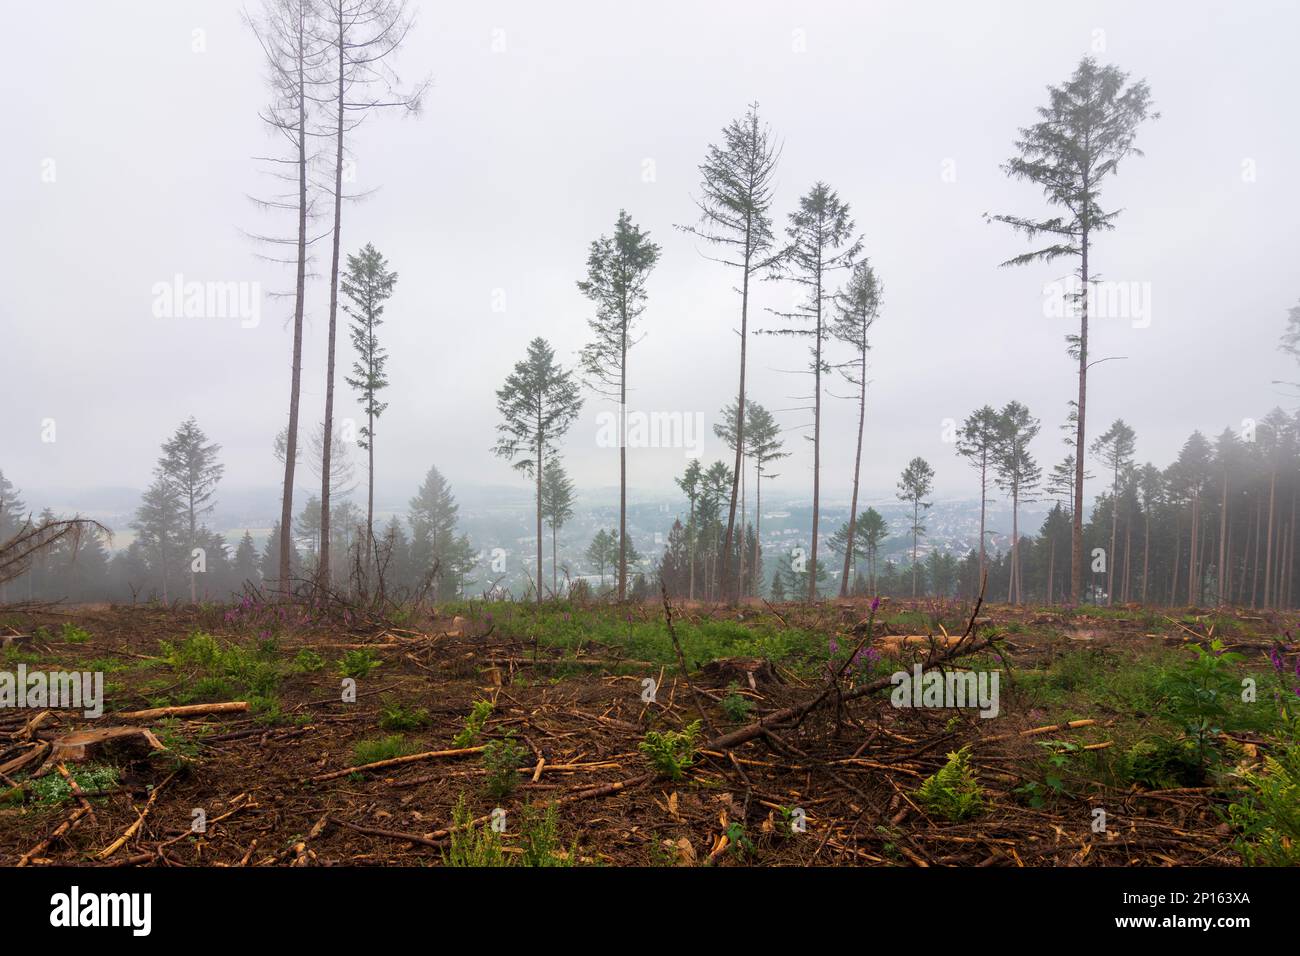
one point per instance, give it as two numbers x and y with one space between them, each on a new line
543 712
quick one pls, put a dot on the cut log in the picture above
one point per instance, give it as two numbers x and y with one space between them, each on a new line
187 710
108 743
14 640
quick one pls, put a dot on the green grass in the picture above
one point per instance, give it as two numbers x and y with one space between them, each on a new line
572 628
381 748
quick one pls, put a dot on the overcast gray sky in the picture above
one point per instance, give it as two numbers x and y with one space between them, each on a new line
128 158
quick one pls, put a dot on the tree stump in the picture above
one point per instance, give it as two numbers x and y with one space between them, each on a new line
109 743
747 671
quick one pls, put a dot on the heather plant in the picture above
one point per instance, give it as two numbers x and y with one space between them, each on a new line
502 760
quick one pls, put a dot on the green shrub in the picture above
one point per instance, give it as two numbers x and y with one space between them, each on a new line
1163 764
308 661
952 792
73 634
736 706
1199 695
541 836
672 752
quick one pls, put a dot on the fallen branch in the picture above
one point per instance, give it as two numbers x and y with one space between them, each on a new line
396 762
188 710
796 713
134 828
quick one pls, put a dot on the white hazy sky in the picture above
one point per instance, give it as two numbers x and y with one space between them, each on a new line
524 155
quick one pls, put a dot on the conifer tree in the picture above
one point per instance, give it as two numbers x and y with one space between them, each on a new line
537 403
617 269
1089 125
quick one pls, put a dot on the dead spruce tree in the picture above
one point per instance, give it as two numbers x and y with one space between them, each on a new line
821 243
858 305
358 38
1087 128
735 217
617 269
286 33
538 403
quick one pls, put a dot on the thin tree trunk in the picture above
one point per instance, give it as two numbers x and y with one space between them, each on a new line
1146 553
758 525
916 518
291 440
1114 527
817 437
1076 523
984 498
857 469
323 569
370 486
740 415
541 444
1268 539
1223 541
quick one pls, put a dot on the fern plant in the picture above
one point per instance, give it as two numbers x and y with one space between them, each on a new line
952 792
672 752
1268 814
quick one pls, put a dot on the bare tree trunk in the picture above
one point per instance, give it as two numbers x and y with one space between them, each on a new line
1114 527
541 444
370 492
1076 523
622 470
817 440
740 419
1268 539
916 518
857 469
1259 530
323 569
291 439
758 526
1013 585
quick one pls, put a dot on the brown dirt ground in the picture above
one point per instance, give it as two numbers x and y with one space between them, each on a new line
853 769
